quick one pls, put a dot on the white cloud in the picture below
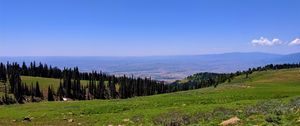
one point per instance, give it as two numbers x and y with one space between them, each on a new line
266 42
295 42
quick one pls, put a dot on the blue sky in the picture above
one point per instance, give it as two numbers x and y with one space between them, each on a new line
147 27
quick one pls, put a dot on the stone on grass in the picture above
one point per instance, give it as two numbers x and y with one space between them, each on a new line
70 120
233 120
27 119
126 120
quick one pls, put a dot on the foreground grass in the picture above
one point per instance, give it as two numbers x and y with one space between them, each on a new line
209 106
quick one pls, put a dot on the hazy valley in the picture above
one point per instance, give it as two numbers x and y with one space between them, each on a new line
167 68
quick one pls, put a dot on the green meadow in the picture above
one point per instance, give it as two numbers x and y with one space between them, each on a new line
45 82
264 98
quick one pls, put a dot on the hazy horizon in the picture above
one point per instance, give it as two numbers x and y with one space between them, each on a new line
132 56
167 68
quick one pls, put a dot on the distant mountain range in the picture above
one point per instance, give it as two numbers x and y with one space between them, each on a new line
165 67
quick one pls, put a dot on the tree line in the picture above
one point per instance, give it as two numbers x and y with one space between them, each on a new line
207 79
15 91
100 85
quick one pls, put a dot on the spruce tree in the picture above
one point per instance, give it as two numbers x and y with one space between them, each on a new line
50 94
60 92
3 77
112 88
38 92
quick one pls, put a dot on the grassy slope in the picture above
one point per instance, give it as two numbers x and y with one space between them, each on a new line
45 82
281 84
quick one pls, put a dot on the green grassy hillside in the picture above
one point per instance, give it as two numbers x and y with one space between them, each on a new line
265 98
45 82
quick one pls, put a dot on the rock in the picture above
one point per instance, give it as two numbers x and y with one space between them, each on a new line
14 120
79 124
233 120
70 120
126 120
27 119
36 99
298 120
273 119
65 99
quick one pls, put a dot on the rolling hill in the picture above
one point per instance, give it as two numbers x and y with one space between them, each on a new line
265 98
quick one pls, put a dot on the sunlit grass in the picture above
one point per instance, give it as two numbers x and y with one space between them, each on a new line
269 85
